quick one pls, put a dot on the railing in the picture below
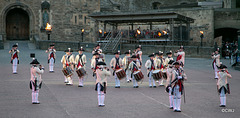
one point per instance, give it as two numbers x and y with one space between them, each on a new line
112 43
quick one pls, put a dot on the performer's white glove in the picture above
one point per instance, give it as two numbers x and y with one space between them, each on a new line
179 77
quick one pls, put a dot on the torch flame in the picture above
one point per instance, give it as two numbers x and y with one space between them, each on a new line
201 32
139 32
100 31
48 27
159 34
82 30
164 32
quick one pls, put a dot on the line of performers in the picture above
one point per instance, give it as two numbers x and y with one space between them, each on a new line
164 71
221 76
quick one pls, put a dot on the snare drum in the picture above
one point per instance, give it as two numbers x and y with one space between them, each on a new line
67 71
157 74
81 72
138 75
120 74
164 74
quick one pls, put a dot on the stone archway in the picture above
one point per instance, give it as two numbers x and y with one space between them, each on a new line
25 13
17 25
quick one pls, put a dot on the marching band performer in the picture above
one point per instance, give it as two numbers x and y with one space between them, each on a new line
126 63
178 76
138 53
14 57
180 56
150 67
80 62
216 63
134 66
94 62
115 64
223 86
68 61
102 73
169 80
36 80
51 57
160 64
97 49
169 57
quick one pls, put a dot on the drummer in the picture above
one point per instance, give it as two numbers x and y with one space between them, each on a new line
126 62
80 62
150 65
180 56
134 66
94 62
115 64
169 57
138 53
160 64
68 61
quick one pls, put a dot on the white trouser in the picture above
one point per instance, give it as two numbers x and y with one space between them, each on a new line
222 97
176 98
215 70
51 64
81 81
14 65
128 75
101 95
117 81
170 96
161 82
69 79
34 94
66 80
151 80
135 83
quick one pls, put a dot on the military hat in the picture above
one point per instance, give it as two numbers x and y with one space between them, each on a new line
101 63
35 61
134 56
81 49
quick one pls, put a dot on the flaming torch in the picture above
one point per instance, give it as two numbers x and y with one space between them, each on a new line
82 33
138 32
159 34
201 36
48 30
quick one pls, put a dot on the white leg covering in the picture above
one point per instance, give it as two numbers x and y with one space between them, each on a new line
127 75
70 80
134 82
116 80
170 97
51 64
36 92
150 78
80 81
161 82
33 97
99 94
102 98
66 79
176 98
215 70
15 62
222 97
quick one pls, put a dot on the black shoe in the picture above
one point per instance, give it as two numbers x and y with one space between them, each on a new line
116 86
175 110
130 80
222 106
136 86
80 86
179 111
69 84
171 108
119 87
65 82
15 73
154 87
150 86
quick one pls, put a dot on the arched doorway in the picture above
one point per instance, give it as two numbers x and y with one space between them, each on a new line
17 24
